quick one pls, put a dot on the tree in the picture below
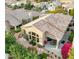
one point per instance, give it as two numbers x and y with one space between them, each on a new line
28 6
9 40
71 37
18 52
71 12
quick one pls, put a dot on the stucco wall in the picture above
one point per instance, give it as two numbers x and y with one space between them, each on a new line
65 1
35 30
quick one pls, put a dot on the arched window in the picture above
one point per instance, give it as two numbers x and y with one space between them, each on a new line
33 36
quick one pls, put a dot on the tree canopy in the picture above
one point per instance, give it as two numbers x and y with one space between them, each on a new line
9 40
71 12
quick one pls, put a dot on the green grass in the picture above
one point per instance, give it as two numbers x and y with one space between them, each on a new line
58 9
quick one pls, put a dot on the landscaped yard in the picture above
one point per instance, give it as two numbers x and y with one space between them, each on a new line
18 51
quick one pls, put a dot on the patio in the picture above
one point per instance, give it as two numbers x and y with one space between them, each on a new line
64 39
52 48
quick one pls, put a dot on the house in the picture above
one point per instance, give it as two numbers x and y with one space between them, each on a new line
69 4
65 1
49 31
48 5
53 5
50 27
17 17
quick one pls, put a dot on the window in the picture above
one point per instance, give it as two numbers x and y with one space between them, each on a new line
34 36
33 33
37 36
29 32
68 29
52 52
29 36
37 39
55 56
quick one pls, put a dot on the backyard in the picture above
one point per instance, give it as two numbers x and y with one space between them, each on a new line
18 51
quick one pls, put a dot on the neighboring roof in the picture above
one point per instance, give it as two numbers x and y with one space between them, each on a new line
15 17
65 1
56 24
12 20
69 5
10 1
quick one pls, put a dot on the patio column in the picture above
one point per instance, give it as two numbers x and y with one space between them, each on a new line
30 16
57 44
15 27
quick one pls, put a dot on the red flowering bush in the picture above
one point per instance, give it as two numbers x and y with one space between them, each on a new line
65 50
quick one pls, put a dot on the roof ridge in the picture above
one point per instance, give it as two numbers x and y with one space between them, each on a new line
37 20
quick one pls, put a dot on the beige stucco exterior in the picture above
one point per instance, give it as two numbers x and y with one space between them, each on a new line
65 1
44 28
35 30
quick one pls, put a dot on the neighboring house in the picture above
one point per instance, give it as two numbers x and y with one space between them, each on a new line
65 1
69 4
11 20
48 5
53 5
16 17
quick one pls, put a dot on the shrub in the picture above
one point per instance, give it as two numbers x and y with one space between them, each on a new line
18 52
37 9
33 42
28 6
22 5
32 50
42 56
71 12
71 37
14 7
58 9
9 40
35 17
18 30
